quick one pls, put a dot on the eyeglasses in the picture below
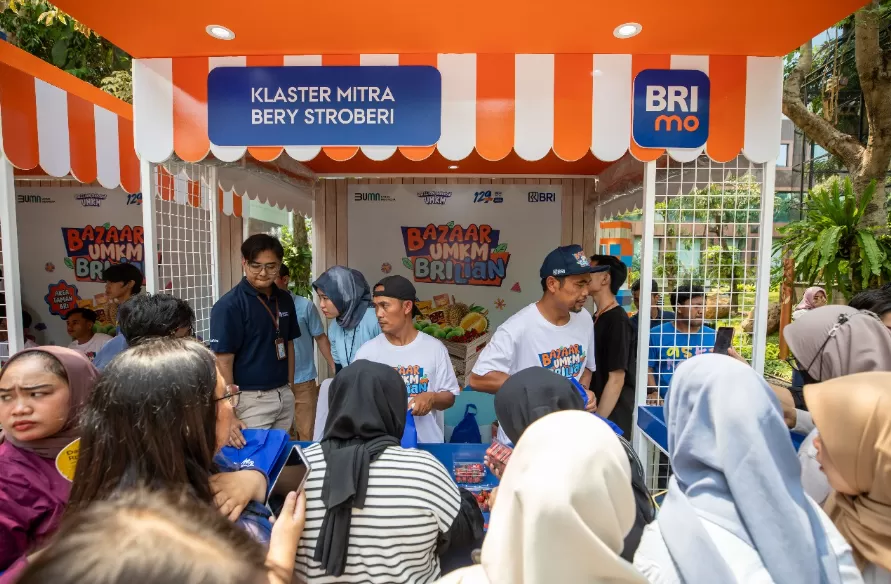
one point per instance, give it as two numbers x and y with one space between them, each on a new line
256 268
233 394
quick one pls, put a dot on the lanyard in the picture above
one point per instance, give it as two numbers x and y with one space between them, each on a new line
600 313
274 317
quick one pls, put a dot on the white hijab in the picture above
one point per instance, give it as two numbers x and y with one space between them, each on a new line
563 509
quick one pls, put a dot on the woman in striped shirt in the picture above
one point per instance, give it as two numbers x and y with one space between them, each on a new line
376 513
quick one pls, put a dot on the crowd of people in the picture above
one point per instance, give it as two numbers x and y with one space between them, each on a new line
114 464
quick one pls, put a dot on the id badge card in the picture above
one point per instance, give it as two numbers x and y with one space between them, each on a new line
280 352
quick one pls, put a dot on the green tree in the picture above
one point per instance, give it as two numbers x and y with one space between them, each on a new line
819 118
43 30
831 245
298 255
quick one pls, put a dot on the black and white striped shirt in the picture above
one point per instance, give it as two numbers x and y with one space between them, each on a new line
411 499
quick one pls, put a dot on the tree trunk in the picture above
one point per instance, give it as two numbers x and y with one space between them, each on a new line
871 162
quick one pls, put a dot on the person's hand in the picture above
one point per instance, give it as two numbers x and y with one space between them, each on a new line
790 414
236 438
232 491
493 494
592 401
731 352
286 531
495 467
422 403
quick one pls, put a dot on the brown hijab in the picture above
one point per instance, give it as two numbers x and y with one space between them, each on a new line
829 349
853 416
82 376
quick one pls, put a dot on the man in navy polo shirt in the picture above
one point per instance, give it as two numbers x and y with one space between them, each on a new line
252 331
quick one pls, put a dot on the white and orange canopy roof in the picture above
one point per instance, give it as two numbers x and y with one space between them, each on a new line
63 125
526 84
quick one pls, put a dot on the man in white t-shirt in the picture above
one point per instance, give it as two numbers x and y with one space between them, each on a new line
80 324
556 332
421 360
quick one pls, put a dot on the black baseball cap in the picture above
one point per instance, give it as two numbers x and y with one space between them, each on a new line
400 288
568 260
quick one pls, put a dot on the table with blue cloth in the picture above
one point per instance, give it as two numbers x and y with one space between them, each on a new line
651 421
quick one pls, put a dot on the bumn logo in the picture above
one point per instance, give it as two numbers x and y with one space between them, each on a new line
33 199
536 197
372 197
671 108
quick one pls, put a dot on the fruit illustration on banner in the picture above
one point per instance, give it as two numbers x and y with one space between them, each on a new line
515 288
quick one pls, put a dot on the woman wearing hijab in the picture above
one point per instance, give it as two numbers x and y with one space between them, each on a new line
42 392
853 415
564 507
533 393
345 296
735 510
814 297
828 343
375 512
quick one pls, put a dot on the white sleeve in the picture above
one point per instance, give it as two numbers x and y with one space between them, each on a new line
804 422
590 361
447 381
497 355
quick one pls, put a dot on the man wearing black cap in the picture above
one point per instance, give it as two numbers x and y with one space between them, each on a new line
555 333
422 360
613 382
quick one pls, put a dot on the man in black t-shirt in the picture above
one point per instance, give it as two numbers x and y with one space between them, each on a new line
613 381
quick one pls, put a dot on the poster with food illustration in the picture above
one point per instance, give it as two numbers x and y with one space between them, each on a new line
473 252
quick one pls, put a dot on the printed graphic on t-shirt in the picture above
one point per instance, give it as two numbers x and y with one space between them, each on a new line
674 356
90 355
565 361
416 381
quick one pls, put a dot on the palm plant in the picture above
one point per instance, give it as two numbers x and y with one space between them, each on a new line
831 247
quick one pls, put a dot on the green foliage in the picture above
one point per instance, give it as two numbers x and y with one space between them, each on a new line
46 32
298 257
736 200
723 264
829 245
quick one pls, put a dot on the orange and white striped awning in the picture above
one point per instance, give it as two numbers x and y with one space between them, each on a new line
53 120
493 103
181 189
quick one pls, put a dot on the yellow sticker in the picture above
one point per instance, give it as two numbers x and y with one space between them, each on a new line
66 461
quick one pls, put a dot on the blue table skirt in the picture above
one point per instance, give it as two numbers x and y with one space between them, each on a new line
651 421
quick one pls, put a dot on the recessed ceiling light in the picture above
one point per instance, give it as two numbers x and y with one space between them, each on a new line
627 30
453 167
218 31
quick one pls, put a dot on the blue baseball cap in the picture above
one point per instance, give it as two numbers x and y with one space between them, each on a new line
568 260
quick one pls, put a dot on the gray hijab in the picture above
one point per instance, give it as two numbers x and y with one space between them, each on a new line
349 291
735 466
828 348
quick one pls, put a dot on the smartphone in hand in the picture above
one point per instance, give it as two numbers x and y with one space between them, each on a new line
292 477
723 340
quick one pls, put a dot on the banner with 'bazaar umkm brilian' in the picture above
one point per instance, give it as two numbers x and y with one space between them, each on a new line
472 251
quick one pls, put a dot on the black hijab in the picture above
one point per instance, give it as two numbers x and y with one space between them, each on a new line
366 415
531 394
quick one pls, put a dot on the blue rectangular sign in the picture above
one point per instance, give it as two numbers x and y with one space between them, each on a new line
324 106
671 108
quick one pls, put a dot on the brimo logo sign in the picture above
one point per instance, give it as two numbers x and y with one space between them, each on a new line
671 108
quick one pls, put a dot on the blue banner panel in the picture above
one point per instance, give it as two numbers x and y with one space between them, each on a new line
324 106
671 108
